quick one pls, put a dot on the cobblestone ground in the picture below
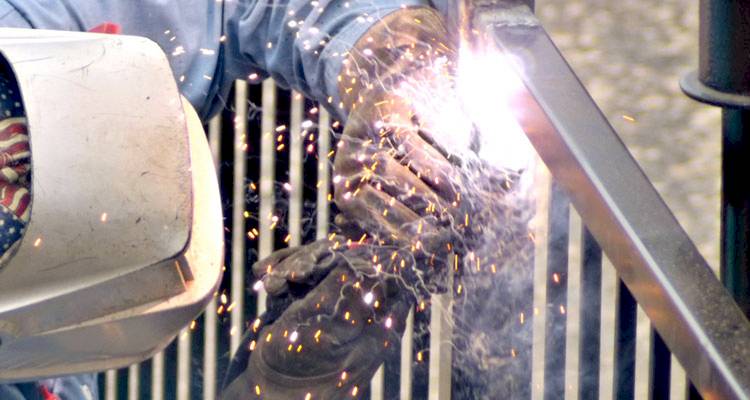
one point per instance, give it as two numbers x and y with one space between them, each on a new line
630 55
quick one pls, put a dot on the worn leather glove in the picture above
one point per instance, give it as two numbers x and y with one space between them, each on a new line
334 308
341 317
391 175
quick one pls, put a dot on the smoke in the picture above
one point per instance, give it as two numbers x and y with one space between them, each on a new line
462 108
485 265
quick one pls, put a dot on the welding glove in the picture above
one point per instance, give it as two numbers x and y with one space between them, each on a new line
340 316
391 175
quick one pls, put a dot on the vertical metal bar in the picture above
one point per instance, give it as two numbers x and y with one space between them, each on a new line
183 364
590 328
295 169
267 177
110 384
723 79
643 356
377 384
542 188
134 382
238 217
441 333
659 369
573 308
625 335
324 179
407 349
157 377
735 206
209 316
557 294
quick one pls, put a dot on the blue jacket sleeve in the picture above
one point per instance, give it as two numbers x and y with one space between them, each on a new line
188 31
300 43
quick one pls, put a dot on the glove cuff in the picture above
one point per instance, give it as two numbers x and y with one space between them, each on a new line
404 41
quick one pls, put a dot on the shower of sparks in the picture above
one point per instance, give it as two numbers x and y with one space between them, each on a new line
461 98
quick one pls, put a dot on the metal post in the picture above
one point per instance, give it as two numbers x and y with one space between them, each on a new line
735 205
134 374
440 347
184 340
625 336
723 79
590 327
210 336
267 178
110 384
407 347
324 179
296 169
238 216
660 368
157 376
557 294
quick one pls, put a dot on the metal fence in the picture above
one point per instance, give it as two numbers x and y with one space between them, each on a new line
273 151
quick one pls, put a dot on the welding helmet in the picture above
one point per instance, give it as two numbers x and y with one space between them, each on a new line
124 243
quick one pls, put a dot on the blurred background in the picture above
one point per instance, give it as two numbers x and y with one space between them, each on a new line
630 55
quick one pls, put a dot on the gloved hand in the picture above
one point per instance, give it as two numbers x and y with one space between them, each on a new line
334 309
343 317
391 176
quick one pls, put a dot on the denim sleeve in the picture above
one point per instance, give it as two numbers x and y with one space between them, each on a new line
300 43
188 31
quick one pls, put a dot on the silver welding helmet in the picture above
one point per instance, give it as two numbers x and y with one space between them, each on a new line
124 243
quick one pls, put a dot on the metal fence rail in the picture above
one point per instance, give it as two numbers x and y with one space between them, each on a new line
274 149
289 140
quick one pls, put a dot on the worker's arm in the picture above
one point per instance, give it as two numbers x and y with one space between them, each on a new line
300 43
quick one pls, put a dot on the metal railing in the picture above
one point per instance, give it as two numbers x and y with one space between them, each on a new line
192 367
274 167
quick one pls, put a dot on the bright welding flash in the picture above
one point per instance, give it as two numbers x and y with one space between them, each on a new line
487 80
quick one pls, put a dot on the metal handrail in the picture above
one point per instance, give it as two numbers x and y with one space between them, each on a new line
695 315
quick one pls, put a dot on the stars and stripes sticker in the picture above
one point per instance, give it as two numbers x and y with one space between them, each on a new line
15 167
